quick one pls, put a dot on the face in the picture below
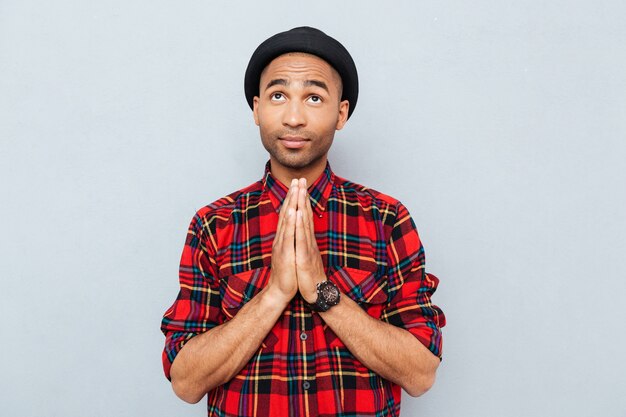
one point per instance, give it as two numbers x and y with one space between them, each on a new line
298 110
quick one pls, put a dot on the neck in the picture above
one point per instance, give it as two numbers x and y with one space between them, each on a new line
285 174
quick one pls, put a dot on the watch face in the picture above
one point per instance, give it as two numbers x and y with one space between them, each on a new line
329 292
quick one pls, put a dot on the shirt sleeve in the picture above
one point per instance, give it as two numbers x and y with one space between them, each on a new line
410 287
197 307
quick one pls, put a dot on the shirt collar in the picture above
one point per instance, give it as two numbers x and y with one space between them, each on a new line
319 191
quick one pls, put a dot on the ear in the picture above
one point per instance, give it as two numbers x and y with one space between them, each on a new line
255 109
342 118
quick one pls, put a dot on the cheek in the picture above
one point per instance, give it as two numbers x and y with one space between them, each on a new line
268 118
330 117
327 124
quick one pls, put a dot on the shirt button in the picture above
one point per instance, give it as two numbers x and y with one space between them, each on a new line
306 385
303 336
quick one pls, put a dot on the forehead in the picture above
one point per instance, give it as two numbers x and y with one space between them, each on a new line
300 64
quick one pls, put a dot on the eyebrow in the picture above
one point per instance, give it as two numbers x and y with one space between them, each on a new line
278 81
316 83
307 83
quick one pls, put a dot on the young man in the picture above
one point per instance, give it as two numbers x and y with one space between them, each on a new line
303 293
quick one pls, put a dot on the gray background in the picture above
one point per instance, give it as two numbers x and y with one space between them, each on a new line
500 124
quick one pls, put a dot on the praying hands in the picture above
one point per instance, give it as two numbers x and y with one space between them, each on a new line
296 261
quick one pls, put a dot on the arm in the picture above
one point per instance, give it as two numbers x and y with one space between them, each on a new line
391 352
387 349
214 357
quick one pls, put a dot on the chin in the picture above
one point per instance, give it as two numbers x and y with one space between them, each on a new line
298 162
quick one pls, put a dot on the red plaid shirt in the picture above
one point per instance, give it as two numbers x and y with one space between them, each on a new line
370 249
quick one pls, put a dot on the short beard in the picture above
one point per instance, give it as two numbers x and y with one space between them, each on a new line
291 159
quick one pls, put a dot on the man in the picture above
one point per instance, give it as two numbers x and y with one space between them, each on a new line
302 294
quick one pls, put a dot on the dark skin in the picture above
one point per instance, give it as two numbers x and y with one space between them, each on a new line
298 112
297 119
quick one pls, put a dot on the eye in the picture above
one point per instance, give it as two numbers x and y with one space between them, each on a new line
277 97
315 99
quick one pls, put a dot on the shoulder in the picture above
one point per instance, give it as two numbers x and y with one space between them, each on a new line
368 197
219 211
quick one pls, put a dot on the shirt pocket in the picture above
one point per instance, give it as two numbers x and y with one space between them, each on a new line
237 289
367 288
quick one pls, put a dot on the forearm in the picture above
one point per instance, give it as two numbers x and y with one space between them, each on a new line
216 356
392 352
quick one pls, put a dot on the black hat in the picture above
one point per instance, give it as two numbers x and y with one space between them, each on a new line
311 41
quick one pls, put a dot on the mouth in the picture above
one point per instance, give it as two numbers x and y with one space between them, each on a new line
293 142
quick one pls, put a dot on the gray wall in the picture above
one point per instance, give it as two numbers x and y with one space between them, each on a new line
501 125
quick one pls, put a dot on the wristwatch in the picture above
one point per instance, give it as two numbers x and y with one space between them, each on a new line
327 296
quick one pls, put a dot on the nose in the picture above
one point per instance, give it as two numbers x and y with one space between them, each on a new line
294 114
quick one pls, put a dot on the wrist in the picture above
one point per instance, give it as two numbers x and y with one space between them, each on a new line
310 297
327 296
309 294
275 297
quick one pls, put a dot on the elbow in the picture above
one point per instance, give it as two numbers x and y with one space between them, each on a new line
186 392
184 384
421 381
420 385
192 390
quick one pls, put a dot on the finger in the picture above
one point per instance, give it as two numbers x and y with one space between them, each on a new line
278 237
310 225
290 230
285 206
309 209
301 243
287 239
306 219
285 232
301 186
293 201
301 197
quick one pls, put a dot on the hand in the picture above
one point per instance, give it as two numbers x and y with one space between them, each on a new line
283 282
309 266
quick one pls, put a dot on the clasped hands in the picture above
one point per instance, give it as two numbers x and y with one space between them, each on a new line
296 262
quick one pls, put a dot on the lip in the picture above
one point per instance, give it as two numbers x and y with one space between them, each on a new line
293 142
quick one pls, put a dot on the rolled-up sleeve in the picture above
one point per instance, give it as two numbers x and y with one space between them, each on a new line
410 287
197 306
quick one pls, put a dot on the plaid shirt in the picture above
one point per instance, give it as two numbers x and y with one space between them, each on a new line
370 249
